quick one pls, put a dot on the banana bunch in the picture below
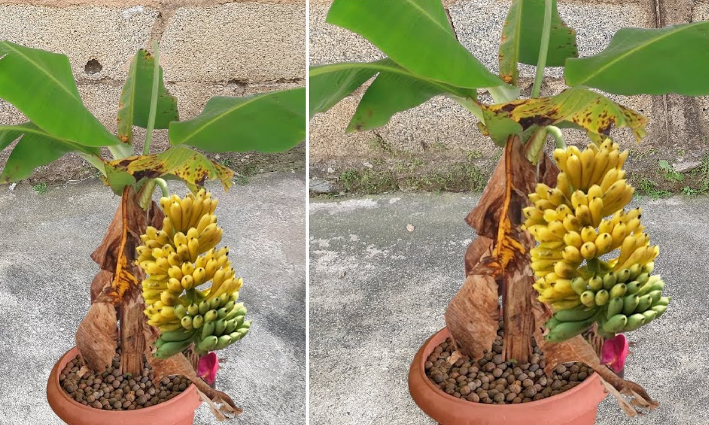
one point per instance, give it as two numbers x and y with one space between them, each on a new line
619 301
211 324
576 223
177 260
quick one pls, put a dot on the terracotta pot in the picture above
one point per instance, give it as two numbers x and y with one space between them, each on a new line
577 406
177 411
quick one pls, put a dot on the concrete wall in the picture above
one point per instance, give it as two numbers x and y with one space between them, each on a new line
208 48
440 132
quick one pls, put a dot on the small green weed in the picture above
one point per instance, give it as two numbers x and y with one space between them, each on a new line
40 188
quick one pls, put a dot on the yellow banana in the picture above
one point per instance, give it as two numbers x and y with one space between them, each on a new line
588 250
599 166
595 208
578 198
572 255
176 216
193 248
618 234
560 156
562 183
186 207
583 214
573 171
589 234
573 239
604 244
587 159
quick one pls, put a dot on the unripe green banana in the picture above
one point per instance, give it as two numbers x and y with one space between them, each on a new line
630 303
214 303
235 336
642 278
635 270
245 325
180 311
588 299
223 299
602 297
652 287
549 324
634 322
655 295
208 329
632 287
664 301
171 348
219 327
650 315
231 326
615 306
595 283
229 305
204 307
609 281
193 309
174 336
223 341
208 343
564 330
660 309
644 304
623 275
618 290
210 316
186 322
239 320
615 324
574 314
221 313
197 321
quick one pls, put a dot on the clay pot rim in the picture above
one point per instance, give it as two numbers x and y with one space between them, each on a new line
553 399
80 407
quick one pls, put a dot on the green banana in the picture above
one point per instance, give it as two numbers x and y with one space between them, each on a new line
208 329
223 341
630 303
175 336
664 301
219 327
210 316
197 321
644 304
602 297
171 348
615 306
204 307
573 314
660 309
623 275
579 285
609 281
615 324
650 315
618 290
632 287
588 299
595 283
208 343
634 322
231 326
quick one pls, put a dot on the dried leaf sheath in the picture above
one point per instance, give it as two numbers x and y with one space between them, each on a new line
118 285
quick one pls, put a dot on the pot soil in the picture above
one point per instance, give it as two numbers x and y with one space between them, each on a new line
576 405
128 403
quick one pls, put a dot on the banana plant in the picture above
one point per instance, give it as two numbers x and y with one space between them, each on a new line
41 86
424 59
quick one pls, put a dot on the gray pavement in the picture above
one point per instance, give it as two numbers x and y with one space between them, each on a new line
45 273
377 291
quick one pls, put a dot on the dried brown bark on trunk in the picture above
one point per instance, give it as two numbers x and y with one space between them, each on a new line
118 283
497 219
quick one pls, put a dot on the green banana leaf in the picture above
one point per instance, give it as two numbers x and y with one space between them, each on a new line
41 86
396 90
266 122
415 34
34 149
522 35
134 107
577 106
182 162
329 84
648 61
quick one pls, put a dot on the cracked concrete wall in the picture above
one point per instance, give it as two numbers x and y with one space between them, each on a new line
441 131
207 48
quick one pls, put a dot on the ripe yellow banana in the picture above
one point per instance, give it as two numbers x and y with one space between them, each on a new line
573 171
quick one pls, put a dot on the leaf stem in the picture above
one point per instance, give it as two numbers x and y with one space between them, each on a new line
93 160
543 49
153 98
557 135
163 187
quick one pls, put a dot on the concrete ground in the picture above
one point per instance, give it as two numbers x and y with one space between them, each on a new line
45 273
378 291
